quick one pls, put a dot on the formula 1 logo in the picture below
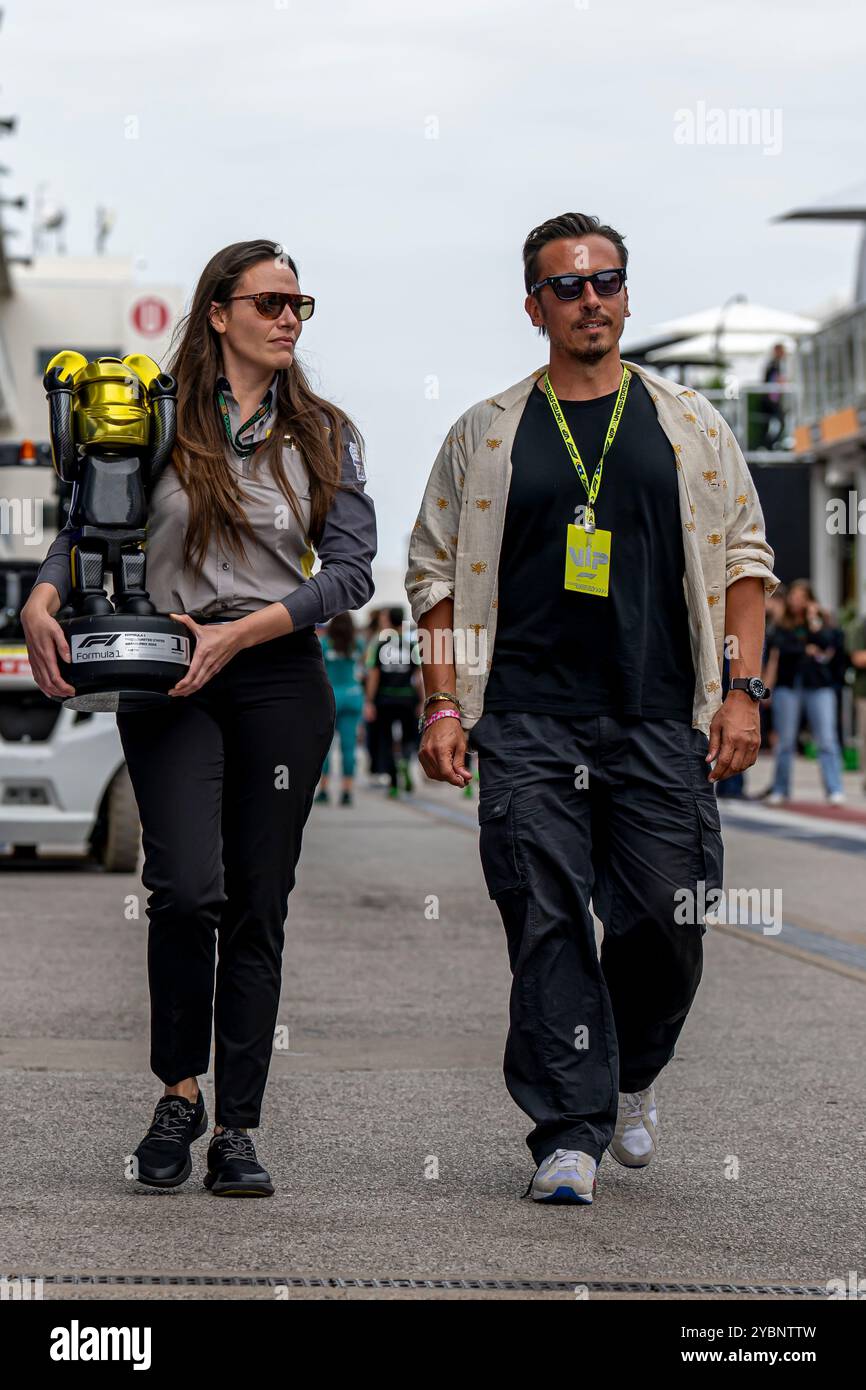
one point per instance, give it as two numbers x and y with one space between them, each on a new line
96 639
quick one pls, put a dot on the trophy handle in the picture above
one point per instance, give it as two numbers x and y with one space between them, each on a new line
162 395
64 455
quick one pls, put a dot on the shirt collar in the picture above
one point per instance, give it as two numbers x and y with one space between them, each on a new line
519 392
222 384
263 426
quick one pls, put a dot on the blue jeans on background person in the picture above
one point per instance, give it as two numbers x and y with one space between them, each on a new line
820 706
732 787
349 707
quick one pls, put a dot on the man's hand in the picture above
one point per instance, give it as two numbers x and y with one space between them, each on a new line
735 736
215 644
443 752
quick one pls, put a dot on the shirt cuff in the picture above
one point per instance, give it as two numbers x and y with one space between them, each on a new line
304 606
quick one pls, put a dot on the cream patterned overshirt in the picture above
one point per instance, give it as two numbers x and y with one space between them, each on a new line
456 540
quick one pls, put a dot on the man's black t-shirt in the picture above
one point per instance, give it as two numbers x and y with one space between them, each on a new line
561 652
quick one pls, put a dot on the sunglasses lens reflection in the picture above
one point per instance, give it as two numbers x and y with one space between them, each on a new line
607 282
270 306
569 287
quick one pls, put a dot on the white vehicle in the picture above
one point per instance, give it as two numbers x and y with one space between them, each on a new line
63 779
64 786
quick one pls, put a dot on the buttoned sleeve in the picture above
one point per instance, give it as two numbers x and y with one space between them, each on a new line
747 551
433 543
346 549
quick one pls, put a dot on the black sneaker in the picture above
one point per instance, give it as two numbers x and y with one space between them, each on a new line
346 799
163 1156
233 1169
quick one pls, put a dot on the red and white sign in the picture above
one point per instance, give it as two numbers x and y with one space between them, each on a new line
150 316
14 665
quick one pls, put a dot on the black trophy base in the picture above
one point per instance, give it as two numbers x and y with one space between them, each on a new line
122 663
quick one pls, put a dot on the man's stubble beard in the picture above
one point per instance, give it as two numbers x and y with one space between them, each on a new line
594 352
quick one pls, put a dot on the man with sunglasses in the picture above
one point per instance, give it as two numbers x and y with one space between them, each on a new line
590 545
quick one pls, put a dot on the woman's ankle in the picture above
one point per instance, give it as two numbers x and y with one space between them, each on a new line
189 1089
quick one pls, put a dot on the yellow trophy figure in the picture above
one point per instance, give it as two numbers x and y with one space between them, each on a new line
112 427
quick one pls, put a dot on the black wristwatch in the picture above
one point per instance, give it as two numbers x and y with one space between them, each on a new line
753 686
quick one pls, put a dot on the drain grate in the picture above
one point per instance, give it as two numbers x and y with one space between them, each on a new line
508 1285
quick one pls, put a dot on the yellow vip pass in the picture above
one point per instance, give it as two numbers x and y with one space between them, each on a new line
587 561
587 550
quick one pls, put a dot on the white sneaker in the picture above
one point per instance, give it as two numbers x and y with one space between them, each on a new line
566 1175
636 1135
776 799
837 798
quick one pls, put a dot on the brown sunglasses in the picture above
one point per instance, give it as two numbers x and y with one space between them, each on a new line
271 303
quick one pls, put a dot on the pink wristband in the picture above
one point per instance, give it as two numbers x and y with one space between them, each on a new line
442 714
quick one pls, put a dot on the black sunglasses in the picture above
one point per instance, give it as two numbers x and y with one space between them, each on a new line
604 282
271 303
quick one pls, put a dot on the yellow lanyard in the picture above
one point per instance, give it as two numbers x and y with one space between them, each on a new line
619 405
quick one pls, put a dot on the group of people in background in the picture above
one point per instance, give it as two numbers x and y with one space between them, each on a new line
375 674
807 657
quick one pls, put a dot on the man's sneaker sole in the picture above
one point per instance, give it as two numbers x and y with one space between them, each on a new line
566 1196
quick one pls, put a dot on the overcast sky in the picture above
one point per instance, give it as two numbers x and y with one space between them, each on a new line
310 123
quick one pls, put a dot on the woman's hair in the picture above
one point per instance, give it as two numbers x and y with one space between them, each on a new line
341 634
789 617
199 453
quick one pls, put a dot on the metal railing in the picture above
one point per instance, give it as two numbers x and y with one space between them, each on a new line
831 367
763 426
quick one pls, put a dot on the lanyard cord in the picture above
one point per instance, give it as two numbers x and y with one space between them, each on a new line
619 405
244 450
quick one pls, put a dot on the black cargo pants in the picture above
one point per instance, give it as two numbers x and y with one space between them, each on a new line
618 811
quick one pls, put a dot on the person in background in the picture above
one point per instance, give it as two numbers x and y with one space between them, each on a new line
774 607
774 408
394 695
377 619
807 648
856 647
343 651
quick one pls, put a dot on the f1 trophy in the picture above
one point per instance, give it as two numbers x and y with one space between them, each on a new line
112 425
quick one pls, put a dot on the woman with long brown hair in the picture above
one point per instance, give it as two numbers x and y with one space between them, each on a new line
265 475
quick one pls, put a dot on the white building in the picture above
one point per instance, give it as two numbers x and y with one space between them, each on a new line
95 305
